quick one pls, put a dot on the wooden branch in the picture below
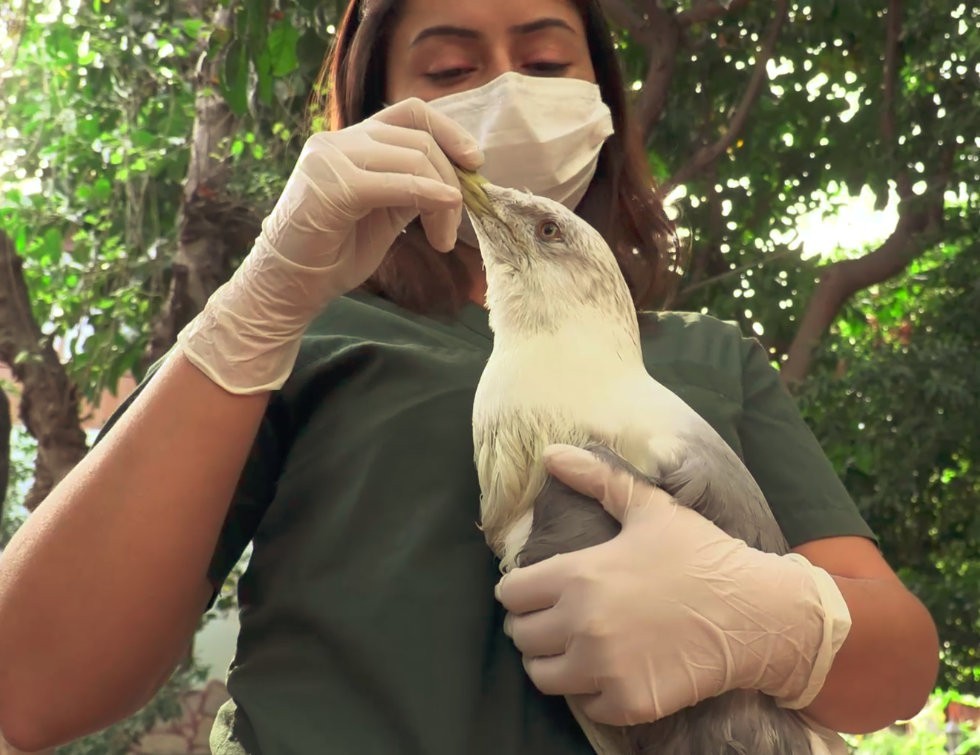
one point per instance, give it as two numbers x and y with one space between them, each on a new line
49 403
709 10
839 281
657 32
664 40
920 220
709 153
622 14
6 426
758 265
893 34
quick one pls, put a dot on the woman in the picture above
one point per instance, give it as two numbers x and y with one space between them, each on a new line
368 621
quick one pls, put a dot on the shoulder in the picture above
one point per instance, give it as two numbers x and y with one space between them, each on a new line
689 330
362 321
694 348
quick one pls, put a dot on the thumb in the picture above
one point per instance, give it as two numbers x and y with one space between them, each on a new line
624 495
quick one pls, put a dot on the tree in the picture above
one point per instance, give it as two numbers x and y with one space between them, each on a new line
140 153
91 123
894 398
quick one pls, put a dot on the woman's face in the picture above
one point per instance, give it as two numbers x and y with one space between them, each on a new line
439 47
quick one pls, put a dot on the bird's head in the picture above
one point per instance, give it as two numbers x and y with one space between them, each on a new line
543 261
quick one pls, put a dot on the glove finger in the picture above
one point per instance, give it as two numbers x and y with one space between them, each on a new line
558 675
540 633
604 710
441 228
621 493
440 223
357 179
415 140
458 144
382 157
389 190
610 708
532 588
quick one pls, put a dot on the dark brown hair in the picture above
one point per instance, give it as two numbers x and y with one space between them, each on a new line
621 202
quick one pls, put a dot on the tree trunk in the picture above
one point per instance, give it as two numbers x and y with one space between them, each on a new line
5 429
49 403
213 231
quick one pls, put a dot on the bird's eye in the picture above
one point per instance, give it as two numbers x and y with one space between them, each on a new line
549 230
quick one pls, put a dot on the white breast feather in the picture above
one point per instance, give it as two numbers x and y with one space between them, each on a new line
572 387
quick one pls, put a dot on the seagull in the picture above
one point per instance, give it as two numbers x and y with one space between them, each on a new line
567 367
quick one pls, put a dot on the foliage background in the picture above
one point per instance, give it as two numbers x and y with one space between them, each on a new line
142 140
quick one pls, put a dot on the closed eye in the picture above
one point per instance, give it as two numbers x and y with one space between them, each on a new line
447 75
547 68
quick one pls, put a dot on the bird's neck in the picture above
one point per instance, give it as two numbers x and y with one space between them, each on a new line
579 332
523 308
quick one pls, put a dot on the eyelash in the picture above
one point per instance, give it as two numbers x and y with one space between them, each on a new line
542 68
547 66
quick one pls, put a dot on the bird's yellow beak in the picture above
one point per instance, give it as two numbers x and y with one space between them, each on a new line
474 197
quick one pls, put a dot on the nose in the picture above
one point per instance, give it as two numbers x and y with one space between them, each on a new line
498 62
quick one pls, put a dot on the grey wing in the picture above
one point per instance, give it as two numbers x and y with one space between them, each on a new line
565 520
719 486
711 479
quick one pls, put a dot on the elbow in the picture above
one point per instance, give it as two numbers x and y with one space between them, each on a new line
30 723
42 722
44 725
35 717
28 713
23 730
923 667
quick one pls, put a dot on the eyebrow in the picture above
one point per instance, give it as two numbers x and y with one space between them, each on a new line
463 32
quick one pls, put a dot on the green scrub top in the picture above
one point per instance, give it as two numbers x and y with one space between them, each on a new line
368 622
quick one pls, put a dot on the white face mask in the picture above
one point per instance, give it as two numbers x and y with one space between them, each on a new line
541 134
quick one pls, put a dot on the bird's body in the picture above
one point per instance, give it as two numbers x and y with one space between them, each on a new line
567 367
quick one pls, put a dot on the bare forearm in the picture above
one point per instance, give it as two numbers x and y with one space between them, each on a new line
887 666
102 586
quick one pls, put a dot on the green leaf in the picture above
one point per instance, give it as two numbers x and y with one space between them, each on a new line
282 48
234 82
52 243
265 82
192 27
102 189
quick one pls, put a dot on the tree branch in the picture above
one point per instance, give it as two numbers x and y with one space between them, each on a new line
919 217
839 281
6 425
709 10
664 40
893 34
758 265
621 13
656 31
709 153
49 403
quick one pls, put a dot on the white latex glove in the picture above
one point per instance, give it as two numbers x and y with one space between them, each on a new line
669 612
350 194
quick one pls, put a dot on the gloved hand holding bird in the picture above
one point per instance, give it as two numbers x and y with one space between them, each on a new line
717 660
